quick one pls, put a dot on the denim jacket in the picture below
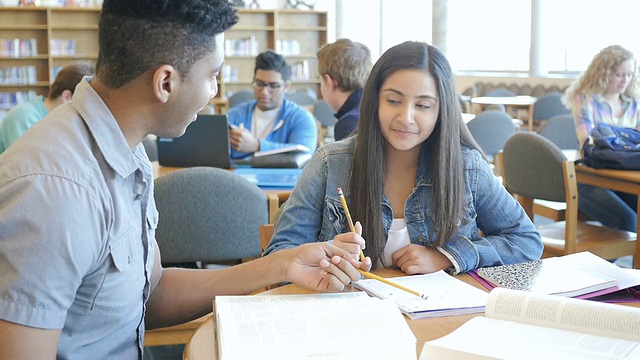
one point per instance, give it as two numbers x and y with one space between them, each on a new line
314 212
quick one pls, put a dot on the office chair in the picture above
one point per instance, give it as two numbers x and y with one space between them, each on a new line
535 168
491 129
209 215
239 97
561 130
548 106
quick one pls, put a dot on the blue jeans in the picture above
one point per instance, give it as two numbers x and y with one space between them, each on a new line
613 209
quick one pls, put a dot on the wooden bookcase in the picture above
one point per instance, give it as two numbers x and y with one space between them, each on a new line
296 34
64 35
61 36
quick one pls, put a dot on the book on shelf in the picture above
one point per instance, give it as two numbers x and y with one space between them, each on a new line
581 275
524 325
319 326
446 295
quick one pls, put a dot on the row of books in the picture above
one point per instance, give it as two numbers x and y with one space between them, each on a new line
18 75
18 48
534 310
63 47
11 99
241 47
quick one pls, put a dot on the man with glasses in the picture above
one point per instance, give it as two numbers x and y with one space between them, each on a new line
270 121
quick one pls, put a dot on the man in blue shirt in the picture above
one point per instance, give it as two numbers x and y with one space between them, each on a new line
80 269
21 117
344 67
270 121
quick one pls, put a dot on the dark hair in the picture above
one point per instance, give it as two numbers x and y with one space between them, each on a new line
136 36
443 149
68 78
270 60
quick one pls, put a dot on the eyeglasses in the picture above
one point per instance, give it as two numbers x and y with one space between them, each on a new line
273 86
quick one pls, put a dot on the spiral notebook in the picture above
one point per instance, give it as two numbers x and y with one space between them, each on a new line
446 295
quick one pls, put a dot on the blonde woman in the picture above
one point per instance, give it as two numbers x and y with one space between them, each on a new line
607 92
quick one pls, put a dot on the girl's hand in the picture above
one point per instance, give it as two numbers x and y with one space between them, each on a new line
351 241
417 259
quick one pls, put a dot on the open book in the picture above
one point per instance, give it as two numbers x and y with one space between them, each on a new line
320 326
288 149
524 325
582 274
446 295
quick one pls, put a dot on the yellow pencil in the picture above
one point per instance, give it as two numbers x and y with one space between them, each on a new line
391 283
348 215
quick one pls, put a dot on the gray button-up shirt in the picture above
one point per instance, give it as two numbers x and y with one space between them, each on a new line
77 231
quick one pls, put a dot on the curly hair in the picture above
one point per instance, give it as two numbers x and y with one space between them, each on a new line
347 62
595 79
270 60
136 36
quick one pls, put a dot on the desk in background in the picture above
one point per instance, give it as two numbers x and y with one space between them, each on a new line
518 102
627 181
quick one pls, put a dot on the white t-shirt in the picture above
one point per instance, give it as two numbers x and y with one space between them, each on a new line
262 122
397 239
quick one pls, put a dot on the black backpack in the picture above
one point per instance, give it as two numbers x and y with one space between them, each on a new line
612 147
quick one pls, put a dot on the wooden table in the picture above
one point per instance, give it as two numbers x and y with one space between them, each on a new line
627 181
525 102
202 344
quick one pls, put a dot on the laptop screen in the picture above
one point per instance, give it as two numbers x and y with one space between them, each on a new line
204 143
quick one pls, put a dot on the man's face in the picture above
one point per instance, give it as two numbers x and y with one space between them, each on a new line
269 88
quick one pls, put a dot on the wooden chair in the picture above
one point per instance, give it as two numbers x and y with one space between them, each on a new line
535 168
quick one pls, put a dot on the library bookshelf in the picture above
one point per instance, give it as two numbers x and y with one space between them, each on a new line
36 41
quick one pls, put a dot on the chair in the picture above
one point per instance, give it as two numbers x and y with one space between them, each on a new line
491 129
548 106
538 91
210 215
239 97
535 168
151 147
524 90
326 121
561 130
302 98
500 92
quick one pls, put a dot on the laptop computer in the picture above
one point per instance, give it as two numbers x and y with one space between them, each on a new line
204 143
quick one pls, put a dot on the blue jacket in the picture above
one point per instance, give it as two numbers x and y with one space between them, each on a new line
294 125
348 115
314 212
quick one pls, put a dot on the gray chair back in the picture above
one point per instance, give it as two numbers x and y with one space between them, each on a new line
500 92
208 214
533 167
151 147
302 98
239 97
324 114
561 130
549 106
491 129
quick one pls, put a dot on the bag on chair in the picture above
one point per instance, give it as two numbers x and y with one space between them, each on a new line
611 147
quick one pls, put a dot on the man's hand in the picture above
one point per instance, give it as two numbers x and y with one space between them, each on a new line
242 140
323 267
351 241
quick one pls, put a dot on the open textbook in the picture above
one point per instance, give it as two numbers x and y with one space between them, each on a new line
446 295
320 326
524 325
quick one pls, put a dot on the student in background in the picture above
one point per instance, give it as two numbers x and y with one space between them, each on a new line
20 118
607 92
344 66
413 177
270 121
80 270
